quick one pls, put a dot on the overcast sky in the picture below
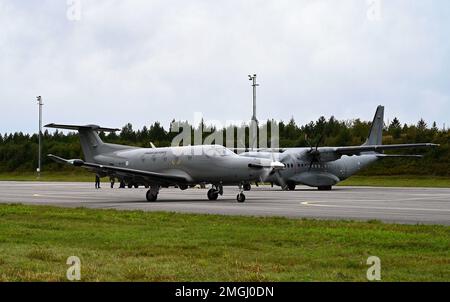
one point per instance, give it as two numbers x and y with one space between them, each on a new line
114 62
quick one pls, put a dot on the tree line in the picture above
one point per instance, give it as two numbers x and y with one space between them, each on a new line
18 151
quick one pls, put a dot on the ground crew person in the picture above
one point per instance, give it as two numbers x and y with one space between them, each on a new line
97 181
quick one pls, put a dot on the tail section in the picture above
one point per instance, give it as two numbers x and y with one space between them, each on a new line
91 142
376 131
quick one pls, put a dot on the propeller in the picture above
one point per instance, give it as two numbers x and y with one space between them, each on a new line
314 151
276 171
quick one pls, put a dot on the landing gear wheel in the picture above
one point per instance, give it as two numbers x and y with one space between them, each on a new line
240 197
247 187
324 188
291 186
212 194
130 186
151 195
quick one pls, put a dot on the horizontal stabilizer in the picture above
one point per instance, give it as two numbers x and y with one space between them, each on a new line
74 162
77 127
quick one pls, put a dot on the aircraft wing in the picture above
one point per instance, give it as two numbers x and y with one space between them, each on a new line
268 149
327 154
351 150
380 155
159 178
356 150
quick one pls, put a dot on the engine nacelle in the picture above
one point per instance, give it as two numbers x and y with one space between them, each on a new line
328 154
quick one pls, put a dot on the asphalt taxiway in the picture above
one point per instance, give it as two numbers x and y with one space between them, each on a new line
400 205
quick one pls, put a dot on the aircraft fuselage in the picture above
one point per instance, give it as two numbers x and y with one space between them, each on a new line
320 174
198 164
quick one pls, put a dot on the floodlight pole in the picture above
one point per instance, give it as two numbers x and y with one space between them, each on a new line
254 85
39 100
254 121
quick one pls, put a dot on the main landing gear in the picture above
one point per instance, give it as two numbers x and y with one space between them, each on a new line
214 192
247 186
290 186
217 190
324 188
152 194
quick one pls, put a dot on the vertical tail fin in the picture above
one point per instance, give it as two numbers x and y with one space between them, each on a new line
91 142
376 130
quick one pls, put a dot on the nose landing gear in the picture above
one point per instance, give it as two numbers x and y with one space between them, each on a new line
241 196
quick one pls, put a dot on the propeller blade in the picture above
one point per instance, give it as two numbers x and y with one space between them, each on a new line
280 180
319 141
281 166
276 166
310 165
308 141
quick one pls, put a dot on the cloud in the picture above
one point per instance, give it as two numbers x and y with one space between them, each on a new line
145 61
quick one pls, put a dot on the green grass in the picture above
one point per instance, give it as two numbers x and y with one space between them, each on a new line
375 181
398 181
35 242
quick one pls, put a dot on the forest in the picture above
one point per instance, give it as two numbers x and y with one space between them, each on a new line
19 151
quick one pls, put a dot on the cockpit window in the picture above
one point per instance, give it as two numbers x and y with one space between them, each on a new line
227 152
219 151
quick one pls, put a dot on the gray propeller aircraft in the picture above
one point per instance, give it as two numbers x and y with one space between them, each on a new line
155 168
324 167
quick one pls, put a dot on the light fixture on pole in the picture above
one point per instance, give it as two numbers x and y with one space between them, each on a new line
253 79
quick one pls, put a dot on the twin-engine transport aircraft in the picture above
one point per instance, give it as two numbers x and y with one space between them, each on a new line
163 167
324 167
